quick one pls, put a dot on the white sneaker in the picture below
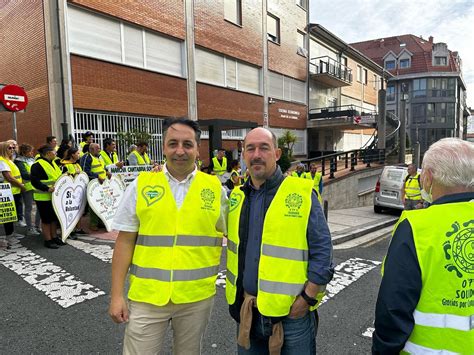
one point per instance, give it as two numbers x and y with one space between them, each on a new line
32 232
18 235
20 223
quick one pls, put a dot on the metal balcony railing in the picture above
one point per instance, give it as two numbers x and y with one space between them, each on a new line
339 111
327 65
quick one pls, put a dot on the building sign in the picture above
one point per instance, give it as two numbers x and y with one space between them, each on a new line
129 173
290 114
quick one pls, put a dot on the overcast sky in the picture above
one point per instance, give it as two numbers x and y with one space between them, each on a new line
449 21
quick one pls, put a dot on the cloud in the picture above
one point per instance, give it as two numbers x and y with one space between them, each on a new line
449 21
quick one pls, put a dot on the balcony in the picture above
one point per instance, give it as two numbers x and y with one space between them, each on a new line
348 116
330 72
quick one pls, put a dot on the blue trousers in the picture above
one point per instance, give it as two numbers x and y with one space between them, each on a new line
299 335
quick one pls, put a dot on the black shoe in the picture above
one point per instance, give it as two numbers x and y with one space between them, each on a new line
58 241
80 232
73 236
50 244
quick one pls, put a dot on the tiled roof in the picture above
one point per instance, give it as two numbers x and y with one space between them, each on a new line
421 49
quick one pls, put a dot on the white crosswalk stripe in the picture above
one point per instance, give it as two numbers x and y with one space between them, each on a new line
59 285
99 251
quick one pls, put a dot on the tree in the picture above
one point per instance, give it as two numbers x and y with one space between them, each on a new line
286 143
134 136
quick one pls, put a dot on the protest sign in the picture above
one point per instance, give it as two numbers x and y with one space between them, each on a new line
7 204
129 173
69 201
104 198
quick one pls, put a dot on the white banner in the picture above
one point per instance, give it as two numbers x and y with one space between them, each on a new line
7 204
105 198
129 173
69 201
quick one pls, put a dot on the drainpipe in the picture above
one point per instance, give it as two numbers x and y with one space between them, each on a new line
191 82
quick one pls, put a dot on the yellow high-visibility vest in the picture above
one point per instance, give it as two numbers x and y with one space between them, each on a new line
176 256
283 266
15 172
97 166
142 159
106 158
219 169
413 188
443 237
53 172
72 168
26 183
316 180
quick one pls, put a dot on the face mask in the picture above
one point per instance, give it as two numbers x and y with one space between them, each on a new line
426 196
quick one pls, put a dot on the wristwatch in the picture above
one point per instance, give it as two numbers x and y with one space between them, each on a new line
310 301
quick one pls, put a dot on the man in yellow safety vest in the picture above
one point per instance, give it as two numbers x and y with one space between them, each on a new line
274 281
171 226
411 189
425 303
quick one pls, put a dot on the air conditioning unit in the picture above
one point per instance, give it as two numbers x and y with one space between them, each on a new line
302 51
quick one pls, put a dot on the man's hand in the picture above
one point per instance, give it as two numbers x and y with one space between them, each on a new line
118 310
119 164
157 168
51 189
109 174
101 180
299 308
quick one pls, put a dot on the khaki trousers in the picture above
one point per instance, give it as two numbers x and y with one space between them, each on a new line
147 326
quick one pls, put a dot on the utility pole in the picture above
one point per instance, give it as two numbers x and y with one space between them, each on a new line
416 152
191 82
381 124
403 124
265 76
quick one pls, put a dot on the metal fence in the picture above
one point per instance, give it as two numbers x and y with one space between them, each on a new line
110 125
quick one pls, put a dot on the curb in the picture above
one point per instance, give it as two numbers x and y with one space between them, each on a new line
343 236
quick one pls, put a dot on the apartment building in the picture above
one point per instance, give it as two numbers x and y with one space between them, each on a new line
114 67
343 94
427 76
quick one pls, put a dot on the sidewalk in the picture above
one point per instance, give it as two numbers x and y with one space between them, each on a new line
352 223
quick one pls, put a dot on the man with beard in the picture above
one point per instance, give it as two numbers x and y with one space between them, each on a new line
171 226
279 255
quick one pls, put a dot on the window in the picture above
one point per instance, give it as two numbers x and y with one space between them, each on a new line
133 45
404 63
210 67
301 39
273 28
233 11
248 78
364 77
359 73
376 81
390 93
419 88
390 64
284 88
163 54
441 61
231 73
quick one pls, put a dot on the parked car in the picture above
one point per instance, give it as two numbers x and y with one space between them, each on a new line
388 188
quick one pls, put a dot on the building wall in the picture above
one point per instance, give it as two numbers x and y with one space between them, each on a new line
359 91
23 63
282 57
160 15
98 85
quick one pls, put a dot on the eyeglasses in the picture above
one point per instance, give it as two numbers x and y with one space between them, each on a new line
11 148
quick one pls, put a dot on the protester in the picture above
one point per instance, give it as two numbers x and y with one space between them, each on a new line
299 171
87 138
61 151
95 169
235 178
44 174
317 178
109 154
11 174
218 165
411 190
424 305
24 161
171 225
279 255
139 156
131 149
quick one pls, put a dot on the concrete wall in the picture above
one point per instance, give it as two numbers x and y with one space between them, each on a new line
355 190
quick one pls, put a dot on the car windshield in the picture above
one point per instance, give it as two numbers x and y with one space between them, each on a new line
394 175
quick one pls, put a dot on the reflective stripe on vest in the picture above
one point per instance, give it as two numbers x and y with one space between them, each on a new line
176 258
411 348
141 159
283 261
104 156
53 172
412 188
219 169
444 315
15 172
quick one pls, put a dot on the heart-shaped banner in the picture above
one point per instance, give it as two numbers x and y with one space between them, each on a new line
105 198
69 201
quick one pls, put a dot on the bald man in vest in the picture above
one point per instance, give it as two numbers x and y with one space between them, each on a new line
425 303
171 225
275 283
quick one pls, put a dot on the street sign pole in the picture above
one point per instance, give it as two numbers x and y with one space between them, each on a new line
15 136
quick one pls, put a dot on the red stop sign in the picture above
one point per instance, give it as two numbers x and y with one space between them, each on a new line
13 97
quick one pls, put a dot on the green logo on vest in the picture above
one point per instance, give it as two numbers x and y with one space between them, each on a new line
234 201
460 248
152 194
207 197
293 202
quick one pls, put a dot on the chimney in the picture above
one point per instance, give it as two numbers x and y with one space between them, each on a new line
431 39
382 44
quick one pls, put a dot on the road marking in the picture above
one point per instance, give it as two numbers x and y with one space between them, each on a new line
99 251
368 333
347 273
59 285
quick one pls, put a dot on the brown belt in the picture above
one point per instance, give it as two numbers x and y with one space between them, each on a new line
275 342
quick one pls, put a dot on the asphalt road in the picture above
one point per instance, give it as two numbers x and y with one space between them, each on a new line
55 302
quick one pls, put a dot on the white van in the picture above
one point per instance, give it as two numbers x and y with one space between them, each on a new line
388 188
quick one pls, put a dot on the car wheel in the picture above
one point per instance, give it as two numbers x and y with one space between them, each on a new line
378 209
